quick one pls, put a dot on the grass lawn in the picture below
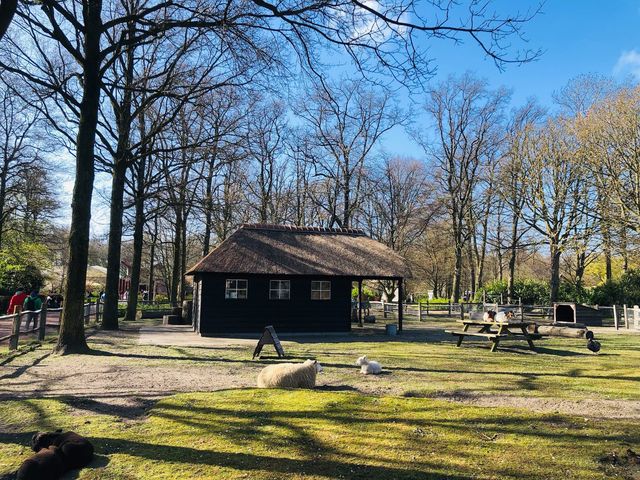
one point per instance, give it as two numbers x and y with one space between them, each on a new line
273 434
390 426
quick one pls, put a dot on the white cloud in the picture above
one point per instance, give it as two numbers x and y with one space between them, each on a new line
628 63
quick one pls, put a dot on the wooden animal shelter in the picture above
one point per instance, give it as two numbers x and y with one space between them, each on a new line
298 279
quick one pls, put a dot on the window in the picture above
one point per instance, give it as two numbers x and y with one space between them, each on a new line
235 289
279 289
320 290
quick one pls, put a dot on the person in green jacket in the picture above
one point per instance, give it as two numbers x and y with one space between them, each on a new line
32 304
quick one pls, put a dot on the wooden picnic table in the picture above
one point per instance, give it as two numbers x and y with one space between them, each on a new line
496 331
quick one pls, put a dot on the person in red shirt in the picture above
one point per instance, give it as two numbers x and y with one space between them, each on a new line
17 299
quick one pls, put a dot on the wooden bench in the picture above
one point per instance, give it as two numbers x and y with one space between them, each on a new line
495 331
494 337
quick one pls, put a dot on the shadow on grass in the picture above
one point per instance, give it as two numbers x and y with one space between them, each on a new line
99 461
276 464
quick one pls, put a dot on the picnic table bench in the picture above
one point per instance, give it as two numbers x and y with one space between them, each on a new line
496 331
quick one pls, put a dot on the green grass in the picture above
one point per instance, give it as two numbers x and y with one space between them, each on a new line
396 433
277 434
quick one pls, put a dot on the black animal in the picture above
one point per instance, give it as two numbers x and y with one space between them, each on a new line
76 450
47 464
592 344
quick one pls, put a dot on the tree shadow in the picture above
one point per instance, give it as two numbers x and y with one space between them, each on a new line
98 462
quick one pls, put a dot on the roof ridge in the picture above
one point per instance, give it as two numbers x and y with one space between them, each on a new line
301 228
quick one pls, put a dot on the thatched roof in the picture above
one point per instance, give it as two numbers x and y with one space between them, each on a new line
288 250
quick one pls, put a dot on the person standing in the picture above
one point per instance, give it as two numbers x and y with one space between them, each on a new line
18 298
32 304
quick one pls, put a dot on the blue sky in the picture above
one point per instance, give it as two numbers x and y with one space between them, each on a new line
586 36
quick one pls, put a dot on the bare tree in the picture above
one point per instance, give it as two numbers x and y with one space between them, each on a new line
467 116
522 126
345 123
554 184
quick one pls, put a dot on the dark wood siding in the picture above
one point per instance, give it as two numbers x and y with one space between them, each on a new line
298 314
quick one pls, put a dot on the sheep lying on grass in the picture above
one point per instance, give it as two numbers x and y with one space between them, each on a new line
368 366
290 375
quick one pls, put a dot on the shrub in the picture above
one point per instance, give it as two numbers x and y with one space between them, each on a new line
531 292
626 290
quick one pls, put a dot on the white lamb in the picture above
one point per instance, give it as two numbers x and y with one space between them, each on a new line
289 375
368 366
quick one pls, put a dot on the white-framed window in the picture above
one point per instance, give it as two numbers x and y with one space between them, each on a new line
320 290
236 289
279 289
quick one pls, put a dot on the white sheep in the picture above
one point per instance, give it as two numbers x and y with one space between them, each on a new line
289 375
368 366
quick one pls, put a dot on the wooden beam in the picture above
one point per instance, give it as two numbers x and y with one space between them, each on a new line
400 293
360 303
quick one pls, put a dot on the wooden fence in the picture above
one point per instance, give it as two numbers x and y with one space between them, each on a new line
42 319
614 316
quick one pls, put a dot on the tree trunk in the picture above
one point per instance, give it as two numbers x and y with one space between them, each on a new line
138 236
71 338
3 195
581 266
183 261
512 258
110 315
177 250
457 274
7 11
554 282
623 249
152 255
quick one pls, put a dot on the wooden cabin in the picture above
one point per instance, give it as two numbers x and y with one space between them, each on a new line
298 279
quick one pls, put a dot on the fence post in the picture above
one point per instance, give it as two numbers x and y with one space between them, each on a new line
15 329
384 309
636 317
615 317
449 305
419 311
461 311
626 318
43 321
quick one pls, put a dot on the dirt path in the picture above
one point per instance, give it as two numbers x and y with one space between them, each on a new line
131 369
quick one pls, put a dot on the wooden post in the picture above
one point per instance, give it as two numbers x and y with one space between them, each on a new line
427 307
384 309
419 311
626 317
360 303
400 293
15 329
615 317
98 310
43 321
636 317
449 305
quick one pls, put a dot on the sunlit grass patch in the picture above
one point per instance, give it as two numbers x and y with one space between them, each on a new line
296 434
